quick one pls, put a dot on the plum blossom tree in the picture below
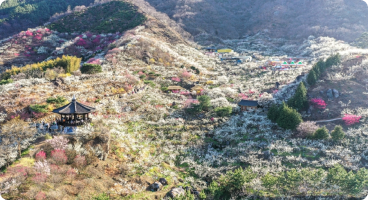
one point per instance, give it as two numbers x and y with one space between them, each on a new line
59 142
18 130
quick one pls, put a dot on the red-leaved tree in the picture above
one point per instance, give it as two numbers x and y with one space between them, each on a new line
351 119
318 103
41 156
59 156
40 196
39 178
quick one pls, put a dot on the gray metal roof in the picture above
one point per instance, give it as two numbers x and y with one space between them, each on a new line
248 103
74 107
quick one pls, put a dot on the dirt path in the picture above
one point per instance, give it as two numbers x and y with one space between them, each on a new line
330 120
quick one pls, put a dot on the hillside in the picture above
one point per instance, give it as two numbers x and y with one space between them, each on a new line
344 20
167 123
16 16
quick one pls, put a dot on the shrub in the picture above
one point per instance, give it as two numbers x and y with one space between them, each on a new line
230 183
269 181
318 103
59 142
48 136
164 89
321 133
41 156
288 118
273 113
224 111
68 63
39 108
90 68
59 156
196 108
337 133
3 82
204 102
306 129
351 119
80 161
56 100
71 154
150 83
102 196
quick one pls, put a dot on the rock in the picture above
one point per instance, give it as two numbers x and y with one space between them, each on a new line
335 93
321 93
329 94
262 145
156 186
310 109
176 192
267 155
163 181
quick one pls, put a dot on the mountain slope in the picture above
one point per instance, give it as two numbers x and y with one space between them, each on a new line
342 19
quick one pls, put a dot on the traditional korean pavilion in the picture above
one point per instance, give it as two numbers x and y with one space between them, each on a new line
246 105
74 114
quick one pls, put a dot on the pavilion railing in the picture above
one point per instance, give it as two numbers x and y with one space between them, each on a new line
77 122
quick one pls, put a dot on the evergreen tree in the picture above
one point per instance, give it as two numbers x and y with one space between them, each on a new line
299 101
337 133
273 113
333 60
316 70
321 66
288 118
336 175
312 78
321 133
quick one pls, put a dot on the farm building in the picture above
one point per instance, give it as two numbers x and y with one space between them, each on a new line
246 105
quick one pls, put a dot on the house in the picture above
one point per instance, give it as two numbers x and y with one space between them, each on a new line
198 89
246 105
210 49
224 51
175 89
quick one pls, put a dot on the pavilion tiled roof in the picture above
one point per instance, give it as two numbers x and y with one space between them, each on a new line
74 107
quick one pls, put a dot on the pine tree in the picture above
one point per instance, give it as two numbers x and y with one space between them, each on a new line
273 113
312 78
288 118
321 66
337 133
321 133
299 101
316 69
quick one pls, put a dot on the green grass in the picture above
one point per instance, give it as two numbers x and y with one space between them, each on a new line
115 16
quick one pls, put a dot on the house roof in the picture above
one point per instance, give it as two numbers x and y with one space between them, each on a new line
175 88
248 103
74 107
197 87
